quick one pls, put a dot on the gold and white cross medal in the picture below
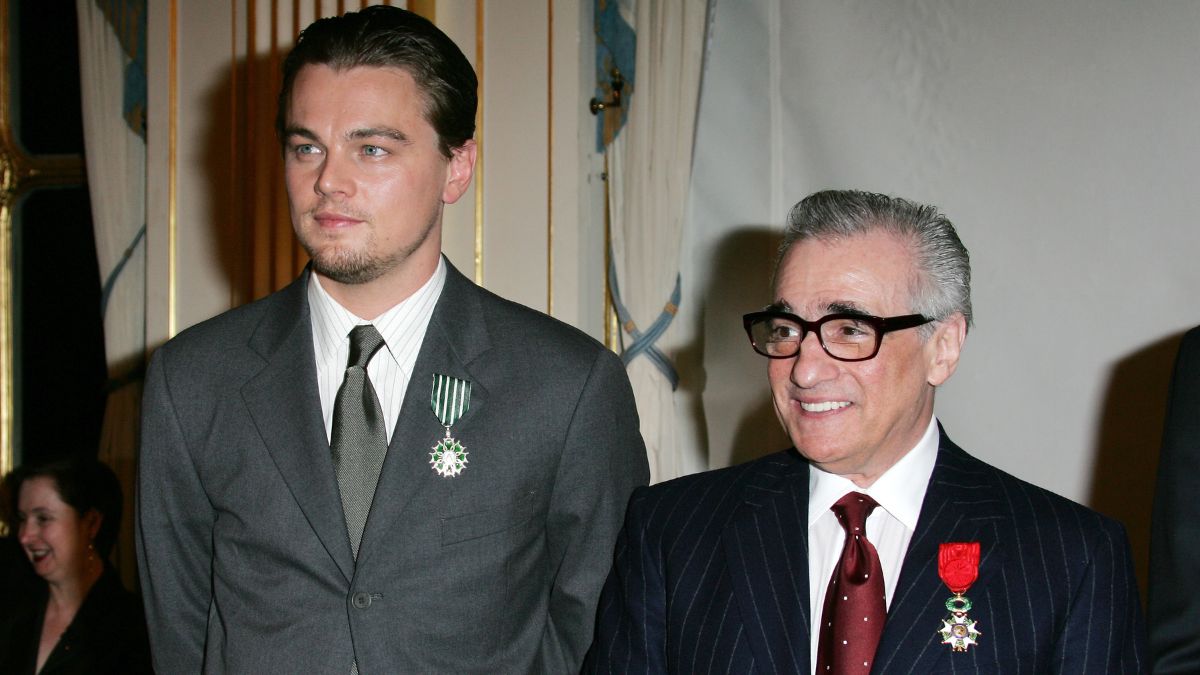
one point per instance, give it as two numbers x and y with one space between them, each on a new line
451 399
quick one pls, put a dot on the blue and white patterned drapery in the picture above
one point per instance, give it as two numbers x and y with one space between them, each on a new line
112 54
648 145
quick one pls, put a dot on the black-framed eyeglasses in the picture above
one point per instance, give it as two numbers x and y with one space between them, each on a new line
845 337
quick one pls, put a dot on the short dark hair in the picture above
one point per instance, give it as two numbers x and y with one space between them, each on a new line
942 285
85 484
389 37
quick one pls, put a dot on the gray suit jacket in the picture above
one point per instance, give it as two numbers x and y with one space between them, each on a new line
244 558
1175 532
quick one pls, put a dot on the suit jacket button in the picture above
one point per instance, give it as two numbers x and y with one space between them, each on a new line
361 600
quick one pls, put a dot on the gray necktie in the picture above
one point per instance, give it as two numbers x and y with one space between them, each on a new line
359 437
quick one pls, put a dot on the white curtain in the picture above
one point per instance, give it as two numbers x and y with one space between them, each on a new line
649 166
116 169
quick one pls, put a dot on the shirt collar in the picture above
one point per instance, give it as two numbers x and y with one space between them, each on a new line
900 490
332 322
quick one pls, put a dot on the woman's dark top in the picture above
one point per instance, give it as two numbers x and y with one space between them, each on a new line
107 635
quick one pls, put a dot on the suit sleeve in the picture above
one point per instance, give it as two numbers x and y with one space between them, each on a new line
1174 606
1104 631
602 461
631 628
174 532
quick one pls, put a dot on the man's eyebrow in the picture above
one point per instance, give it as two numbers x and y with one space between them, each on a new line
846 308
357 134
836 307
288 132
377 132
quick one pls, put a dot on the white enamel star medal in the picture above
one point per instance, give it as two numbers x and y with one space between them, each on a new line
451 399
958 566
958 629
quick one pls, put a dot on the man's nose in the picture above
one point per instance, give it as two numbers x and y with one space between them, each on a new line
336 176
812 365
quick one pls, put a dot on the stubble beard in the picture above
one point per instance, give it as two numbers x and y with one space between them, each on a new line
355 265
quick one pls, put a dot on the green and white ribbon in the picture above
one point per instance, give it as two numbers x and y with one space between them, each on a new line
450 401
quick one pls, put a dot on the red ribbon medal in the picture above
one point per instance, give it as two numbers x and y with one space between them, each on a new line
958 566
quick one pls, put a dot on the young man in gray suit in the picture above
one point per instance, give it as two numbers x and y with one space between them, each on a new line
875 545
382 468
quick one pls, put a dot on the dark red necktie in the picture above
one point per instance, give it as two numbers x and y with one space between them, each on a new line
855 604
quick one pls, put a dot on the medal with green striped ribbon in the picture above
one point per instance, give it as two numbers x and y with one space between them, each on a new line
451 399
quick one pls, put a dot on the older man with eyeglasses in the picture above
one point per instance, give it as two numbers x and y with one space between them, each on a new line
875 544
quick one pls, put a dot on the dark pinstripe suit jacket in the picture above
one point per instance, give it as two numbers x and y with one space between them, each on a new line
711 575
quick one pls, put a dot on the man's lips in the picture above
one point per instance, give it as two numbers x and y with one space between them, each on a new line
822 406
328 219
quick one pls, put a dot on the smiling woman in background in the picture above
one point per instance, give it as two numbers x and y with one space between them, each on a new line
78 618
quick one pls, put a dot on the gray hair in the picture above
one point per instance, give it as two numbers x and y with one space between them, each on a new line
942 285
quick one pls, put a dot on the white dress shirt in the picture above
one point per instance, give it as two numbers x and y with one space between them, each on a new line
899 493
403 329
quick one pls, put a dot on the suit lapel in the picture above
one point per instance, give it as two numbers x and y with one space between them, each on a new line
456 336
286 408
766 551
959 506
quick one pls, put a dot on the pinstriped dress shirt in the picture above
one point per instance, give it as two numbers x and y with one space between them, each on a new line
403 329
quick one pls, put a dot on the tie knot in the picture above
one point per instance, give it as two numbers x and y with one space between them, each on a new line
852 511
364 342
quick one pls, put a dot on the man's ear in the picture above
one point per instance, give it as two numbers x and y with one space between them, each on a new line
944 347
459 170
